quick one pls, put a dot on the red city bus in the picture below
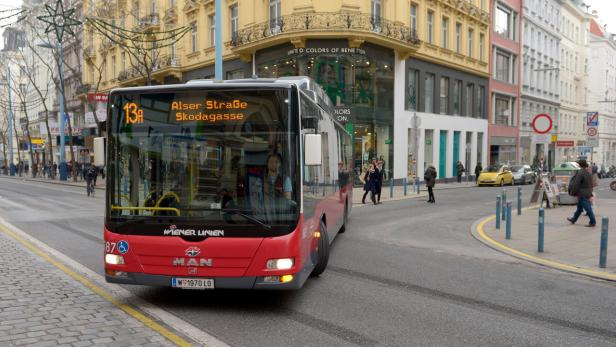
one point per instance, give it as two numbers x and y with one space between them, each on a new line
224 184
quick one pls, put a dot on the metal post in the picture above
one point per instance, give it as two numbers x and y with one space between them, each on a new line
405 186
498 211
504 202
603 250
541 229
218 38
62 167
508 227
519 201
11 158
391 188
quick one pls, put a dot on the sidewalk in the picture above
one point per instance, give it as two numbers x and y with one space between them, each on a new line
411 193
568 247
100 182
41 305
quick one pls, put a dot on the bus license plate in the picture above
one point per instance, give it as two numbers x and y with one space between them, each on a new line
192 283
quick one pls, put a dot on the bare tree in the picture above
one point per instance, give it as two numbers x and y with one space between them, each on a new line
21 93
4 138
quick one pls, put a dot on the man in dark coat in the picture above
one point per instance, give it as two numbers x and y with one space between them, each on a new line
581 187
460 170
430 179
478 169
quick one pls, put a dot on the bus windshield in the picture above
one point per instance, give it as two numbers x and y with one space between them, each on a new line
203 163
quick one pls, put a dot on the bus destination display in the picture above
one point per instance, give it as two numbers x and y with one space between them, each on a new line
212 111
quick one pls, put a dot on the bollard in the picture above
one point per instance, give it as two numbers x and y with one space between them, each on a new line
391 188
603 250
541 229
498 208
519 201
504 202
508 228
405 188
417 184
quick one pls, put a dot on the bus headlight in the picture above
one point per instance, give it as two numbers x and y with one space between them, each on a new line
114 259
280 264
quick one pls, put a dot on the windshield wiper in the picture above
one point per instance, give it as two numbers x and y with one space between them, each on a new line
247 216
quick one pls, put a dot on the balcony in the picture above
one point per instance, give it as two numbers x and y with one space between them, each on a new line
358 27
106 44
171 15
149 22
89 52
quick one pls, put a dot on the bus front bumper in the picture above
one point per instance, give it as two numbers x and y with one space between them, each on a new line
244 282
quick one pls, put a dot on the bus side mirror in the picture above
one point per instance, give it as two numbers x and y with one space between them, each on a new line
312 149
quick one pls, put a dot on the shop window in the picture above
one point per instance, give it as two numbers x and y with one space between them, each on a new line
412 89
444 96
481 90
428 148
479 147
470 91
429 93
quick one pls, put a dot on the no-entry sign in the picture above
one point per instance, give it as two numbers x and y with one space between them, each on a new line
542 123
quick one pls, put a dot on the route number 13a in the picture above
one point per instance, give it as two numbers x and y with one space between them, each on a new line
132 113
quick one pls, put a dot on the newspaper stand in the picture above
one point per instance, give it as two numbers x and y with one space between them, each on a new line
545 190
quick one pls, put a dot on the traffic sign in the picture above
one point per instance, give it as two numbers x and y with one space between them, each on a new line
592 119
591 131
565 143
542 123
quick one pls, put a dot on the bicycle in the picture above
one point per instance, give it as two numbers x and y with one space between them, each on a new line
90 188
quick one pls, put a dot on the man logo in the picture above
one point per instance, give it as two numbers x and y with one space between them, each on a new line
192 251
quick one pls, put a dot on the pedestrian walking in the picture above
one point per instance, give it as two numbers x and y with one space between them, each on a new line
581 187
430 179
478 169
369 179
460 169
378 168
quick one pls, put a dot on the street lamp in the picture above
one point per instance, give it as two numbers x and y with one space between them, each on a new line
10 115
62 167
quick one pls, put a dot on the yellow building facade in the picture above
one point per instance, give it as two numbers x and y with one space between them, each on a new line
360 51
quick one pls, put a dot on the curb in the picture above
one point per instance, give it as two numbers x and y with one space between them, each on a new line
408 197
48 182
478 233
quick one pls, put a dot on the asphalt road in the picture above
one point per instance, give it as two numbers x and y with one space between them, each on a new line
405 273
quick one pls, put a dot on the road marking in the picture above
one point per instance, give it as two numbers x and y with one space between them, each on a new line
115 294
537 260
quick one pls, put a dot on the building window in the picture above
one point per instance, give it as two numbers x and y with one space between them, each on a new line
413 19
471 32
429 93
504 67
123 61
444 100
376 12
153 7
470 88
430 25
113 67
503 110
504 22
445 32
193 37
275 13
212 30
481 46
412 89
234 21
457 97
481 90
458 33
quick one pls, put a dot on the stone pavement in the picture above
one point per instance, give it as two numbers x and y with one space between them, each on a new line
42 306
564 243
411 193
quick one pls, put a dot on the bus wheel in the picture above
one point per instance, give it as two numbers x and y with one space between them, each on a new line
345 219
322 252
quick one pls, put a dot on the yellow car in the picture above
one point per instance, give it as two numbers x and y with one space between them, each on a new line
495 175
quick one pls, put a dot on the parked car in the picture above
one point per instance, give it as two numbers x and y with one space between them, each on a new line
495 175
523 174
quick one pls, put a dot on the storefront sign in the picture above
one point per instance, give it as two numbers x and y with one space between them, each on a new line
37 141
565 143
326 50
343 114
98 97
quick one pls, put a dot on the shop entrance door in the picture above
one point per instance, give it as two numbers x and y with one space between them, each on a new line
442 160
456 152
